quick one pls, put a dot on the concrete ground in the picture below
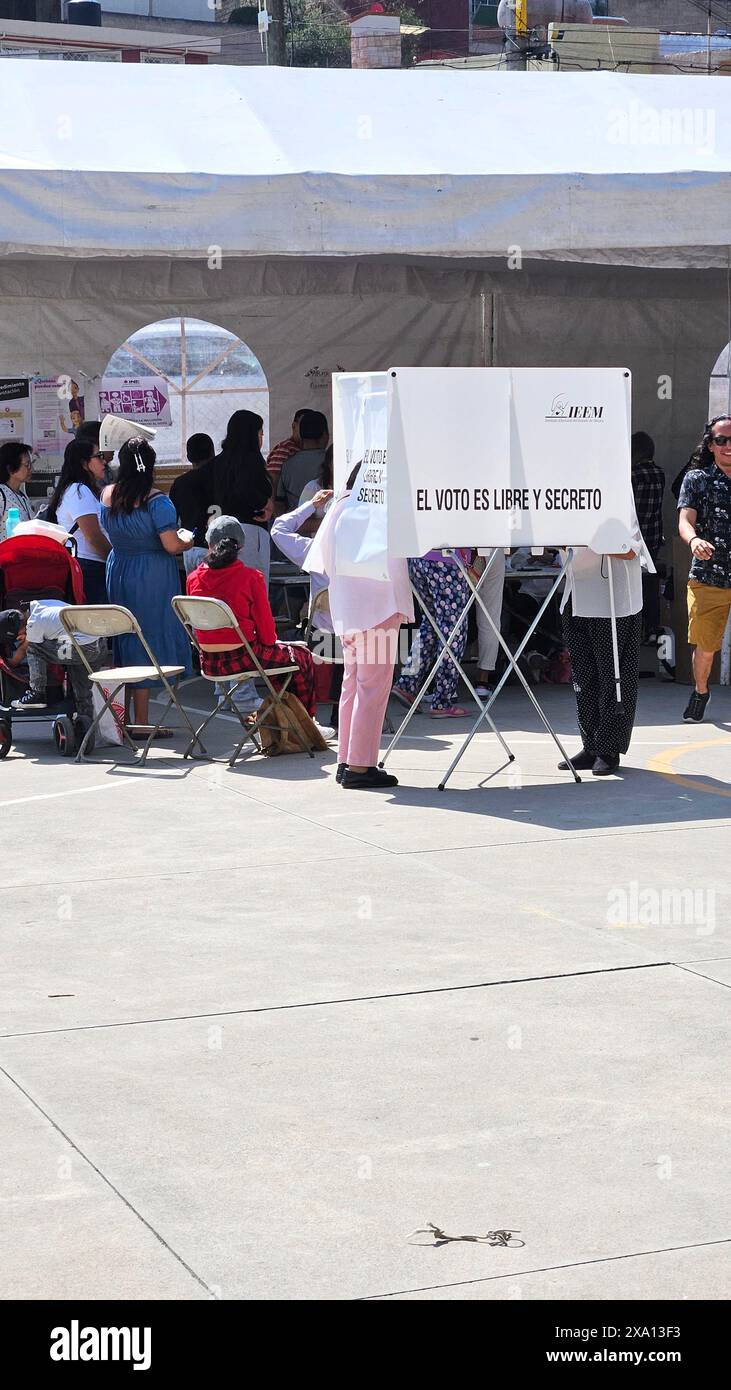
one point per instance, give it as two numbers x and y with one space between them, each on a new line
257 1030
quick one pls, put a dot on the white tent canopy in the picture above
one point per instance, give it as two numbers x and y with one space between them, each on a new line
126 160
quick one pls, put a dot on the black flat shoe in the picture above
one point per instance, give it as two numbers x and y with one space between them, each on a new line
696 707
340 772
604 766
581 762
373 777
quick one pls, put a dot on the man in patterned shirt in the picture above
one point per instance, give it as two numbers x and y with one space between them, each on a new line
648 486
705 525
286 450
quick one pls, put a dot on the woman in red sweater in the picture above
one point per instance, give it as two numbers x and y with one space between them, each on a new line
222 575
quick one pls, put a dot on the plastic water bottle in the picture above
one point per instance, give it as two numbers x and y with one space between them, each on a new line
12 520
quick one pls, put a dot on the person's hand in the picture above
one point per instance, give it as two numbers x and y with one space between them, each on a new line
322 497
700 549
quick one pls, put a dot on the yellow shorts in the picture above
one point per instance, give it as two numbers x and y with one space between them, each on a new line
708 610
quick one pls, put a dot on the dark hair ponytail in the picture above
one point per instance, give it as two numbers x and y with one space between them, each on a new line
240 478
73 470
223 553
135 478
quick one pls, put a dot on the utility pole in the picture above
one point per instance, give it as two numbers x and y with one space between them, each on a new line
276 38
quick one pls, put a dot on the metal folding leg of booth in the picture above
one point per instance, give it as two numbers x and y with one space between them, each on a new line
513 659
447 651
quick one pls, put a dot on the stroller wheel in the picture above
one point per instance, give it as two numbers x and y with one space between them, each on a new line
6 738
64 736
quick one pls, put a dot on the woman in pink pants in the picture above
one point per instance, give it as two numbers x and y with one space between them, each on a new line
367 615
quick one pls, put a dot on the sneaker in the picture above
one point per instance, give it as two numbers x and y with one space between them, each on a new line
582 762
696 707
605 765
484 691
30 699
448 712
372 777
327 732
340 772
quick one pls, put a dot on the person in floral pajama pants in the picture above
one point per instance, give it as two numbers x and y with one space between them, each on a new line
439 583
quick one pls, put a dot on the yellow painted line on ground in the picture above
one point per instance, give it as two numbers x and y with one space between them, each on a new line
662 764
547 916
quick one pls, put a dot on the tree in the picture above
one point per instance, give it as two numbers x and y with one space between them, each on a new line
318 34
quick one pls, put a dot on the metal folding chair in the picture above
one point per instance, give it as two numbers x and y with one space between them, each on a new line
111 620
207 615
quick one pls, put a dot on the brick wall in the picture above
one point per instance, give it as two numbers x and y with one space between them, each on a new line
375 52
375 41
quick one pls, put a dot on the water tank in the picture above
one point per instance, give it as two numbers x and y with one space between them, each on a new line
84 12
541 13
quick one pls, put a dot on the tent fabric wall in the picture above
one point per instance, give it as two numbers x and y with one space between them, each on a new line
305 319
667 328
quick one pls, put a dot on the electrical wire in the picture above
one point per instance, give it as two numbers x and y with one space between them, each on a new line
535 36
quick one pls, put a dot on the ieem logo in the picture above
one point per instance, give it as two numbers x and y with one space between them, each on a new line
562 410
77 1343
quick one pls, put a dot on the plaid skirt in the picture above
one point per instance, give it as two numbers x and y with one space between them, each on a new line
302 684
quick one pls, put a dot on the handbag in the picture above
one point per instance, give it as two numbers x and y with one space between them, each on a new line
277 735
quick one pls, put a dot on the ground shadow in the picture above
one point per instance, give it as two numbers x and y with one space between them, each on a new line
637 798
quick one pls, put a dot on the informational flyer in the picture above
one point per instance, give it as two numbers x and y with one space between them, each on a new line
15 412
58 410
142 398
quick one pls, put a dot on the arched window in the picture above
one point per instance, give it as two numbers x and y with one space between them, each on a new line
209 373
719 393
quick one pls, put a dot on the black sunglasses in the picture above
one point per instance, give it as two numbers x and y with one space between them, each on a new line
721 439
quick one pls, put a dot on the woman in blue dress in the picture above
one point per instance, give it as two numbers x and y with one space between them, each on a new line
142 572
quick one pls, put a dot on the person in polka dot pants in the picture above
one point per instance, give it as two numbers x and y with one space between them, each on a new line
445 592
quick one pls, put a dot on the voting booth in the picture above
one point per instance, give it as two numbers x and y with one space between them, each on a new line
486 458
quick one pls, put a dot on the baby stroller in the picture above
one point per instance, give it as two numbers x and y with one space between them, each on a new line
38 561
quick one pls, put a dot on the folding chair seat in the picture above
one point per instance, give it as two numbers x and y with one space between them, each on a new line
111 620
209 615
